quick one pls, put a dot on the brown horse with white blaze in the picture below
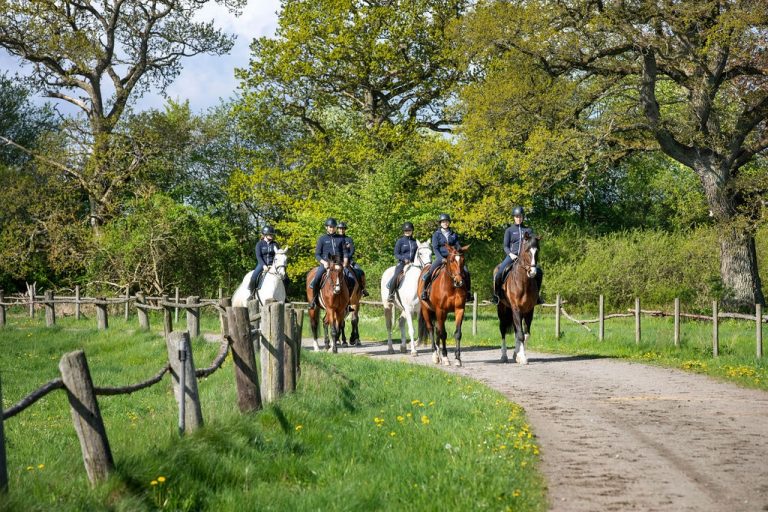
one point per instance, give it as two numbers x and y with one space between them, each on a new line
518 300
333 297
447 294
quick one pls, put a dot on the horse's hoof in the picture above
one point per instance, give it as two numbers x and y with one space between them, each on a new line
344 344
390 350
435 358
414 353
403 349
504 358
458 362
446 362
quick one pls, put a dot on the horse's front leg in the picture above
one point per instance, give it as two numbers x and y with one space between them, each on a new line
343 331
401 324
527 320
519 354
354 339
313 321
429 325
389 310
443 336
409 320
504 316
457 334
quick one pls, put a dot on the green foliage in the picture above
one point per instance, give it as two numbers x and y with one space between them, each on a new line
159 244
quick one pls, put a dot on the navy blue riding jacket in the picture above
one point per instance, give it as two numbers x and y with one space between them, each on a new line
349 246
405 249
439 241
513 237
330 245
265 252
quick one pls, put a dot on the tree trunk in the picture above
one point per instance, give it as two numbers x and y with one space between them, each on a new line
738 257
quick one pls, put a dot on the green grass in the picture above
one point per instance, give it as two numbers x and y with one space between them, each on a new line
358 434
737 361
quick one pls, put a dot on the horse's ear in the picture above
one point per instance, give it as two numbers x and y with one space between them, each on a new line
526 236
285 249
465 248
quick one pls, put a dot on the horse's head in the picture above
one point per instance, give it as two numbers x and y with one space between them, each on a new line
280 261
423 252
454 263
335 275
530 253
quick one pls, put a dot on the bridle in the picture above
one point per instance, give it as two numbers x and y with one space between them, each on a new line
456 277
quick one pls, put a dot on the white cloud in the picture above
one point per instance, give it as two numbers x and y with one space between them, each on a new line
206 79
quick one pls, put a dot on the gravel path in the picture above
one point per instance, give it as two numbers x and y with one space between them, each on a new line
617 435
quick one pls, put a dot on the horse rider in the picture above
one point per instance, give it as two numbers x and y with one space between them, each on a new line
405 252
328 245
349 246
442 237
265 255
513 242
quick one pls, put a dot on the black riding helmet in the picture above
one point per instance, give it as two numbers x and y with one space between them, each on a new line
407 226
331 222
444 216
267 230
518 211
342 225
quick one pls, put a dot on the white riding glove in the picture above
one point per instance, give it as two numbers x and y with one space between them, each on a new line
512 256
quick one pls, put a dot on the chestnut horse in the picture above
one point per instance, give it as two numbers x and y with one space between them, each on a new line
447 294
355 294
333 297
519 297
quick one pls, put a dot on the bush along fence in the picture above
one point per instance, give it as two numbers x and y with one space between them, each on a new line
274 333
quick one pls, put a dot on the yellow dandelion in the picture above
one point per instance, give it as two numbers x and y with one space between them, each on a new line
409 415
392 434
299 427
400 419
516 493
41 466
425 420
161 479
153 482
415 402
432 403
30 468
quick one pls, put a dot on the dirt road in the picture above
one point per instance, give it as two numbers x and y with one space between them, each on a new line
616 435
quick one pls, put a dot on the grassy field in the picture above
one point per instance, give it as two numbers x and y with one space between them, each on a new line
357 435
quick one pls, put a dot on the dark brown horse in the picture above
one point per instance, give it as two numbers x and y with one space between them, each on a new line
519 297
447 293
355 294
333 297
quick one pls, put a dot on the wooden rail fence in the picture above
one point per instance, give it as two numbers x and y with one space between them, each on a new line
276 329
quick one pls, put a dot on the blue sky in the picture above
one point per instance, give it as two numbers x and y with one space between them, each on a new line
205 79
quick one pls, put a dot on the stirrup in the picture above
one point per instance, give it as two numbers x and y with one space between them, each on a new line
495 299
364 292
424 295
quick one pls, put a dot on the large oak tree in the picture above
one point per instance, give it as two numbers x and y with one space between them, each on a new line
98 56
688 78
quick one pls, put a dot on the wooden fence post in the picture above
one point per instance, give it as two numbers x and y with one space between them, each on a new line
474 314
50 309
102 318
183 369
289 353
2 311
77 302
557 316
254 316
86 416
272 349
193 317
299 333
3 460
141 313
32 291
715 331
677 322
246 378
127 299
224 303
167 318
637 320
758 329
601 313
176 314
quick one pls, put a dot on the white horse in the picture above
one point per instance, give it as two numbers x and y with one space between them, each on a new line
272 288
407 298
